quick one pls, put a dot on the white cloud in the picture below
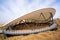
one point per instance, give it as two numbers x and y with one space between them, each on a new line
12 9
57 7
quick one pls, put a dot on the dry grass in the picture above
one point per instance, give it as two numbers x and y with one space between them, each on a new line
58 22
50 35
1 37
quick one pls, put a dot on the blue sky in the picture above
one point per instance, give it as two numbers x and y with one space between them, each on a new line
12 9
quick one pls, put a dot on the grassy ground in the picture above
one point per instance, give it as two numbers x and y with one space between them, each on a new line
1 37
